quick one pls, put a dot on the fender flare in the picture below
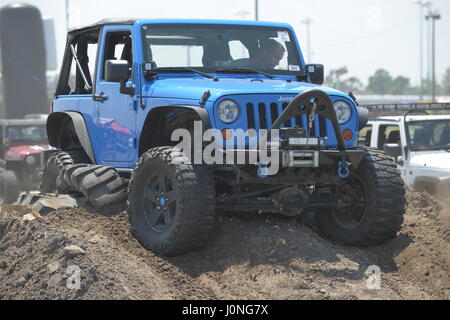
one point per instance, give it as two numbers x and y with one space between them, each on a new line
151 121
55 126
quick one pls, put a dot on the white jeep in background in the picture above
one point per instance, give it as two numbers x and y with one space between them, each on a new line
420 145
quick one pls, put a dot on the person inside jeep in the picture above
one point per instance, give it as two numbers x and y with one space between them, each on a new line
429 135
268 57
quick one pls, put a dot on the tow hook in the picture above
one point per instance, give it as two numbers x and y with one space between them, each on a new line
343 169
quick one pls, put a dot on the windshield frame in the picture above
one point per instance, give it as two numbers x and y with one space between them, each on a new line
408 136
294 49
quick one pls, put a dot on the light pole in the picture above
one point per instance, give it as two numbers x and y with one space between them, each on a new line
422 4
433 16
256 10
307 22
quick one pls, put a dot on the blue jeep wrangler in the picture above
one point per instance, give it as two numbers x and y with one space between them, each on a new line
127 87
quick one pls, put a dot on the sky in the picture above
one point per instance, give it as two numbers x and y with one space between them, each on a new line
362 35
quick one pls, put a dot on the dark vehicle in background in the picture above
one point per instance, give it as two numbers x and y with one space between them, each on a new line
22 142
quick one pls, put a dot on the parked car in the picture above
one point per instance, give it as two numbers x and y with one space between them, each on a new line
22 141
420 145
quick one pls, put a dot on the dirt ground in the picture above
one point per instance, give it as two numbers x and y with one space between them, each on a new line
251 257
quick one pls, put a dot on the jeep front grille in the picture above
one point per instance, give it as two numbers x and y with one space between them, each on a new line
263 115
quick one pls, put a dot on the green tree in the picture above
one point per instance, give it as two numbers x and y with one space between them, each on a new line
330 81
380 83
400 85
354 85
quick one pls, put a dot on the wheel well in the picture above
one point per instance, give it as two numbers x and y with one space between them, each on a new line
67 131
154 132
61 132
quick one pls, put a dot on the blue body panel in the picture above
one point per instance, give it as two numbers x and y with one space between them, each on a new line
115 125
116 117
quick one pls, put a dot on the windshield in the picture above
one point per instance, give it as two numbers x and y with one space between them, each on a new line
210 48
26 134
429 135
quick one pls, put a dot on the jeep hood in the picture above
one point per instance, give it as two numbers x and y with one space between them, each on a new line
19 152
194 88
432 160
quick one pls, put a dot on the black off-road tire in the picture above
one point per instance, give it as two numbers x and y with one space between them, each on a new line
9 187
381 216
55 163
181 119
192 207
102 186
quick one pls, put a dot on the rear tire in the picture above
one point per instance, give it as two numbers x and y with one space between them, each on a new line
102 186
375 204
171 202
9 187
55 163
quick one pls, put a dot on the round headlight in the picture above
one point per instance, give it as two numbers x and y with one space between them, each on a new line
30 160
228 111
343 111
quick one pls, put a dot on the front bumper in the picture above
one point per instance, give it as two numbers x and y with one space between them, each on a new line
294 148
294 158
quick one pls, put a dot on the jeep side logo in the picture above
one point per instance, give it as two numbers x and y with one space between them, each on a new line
285 99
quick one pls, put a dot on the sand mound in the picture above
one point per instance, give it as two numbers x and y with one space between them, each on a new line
251 257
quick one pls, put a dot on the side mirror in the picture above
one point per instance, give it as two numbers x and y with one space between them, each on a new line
316 72
119 71
393 149
401 161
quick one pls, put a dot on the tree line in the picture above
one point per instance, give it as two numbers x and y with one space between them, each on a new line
382 82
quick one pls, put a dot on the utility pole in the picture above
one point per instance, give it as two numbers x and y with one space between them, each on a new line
421 50
242 14
307 22
433 16
67 15
422 4
256 10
